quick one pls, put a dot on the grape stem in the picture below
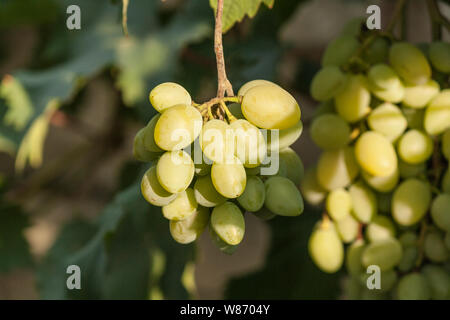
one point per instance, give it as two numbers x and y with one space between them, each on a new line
124 16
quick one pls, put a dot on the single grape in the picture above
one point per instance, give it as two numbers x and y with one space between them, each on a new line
330 132
152 190
385 84
418 96
382 184
415 147
329 81
413 286
353 258
437 114
440 211
190 229
140 153
294 165
380 228
255 83
182 207
249 143
439 53
388 120
339 204
168 94
364 202
220 244
283 197
205 193
311 189
216 140
352 103
228 223
408 238
175 171
409 62
347 228
385 253
409 258
337 169
434 247
377 52
286 137
340 50
438 280
229 179
254 195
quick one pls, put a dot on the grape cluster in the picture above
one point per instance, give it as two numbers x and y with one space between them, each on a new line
383 177
211 162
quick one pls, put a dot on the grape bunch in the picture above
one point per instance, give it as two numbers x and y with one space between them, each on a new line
383 178
212 162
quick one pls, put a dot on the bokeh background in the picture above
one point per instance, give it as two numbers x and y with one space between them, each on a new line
70 105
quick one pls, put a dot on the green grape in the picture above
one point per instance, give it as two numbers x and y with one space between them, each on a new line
182 207
408 170
439 53
216 140
149 139
205 193
140 153
385 84
438 280
375 154
388 120
175 171
325 247
382 184
294 165
377 52
353 257
415 147
410 202
418 96
228 223
384 202
385 253
168 94
352 103
380 228
250 145
329 81
340 50
202 169
339 204
409 259
337 169
221 245
364 202
152 191
270 107
324 107
229 179
254 195
413 286
353 26
178 127
440 211
437 114
446 144
414 117
330 132
434 247
347 228
447 240
286 137
235 109
311 189
255 83
264 214
408 238
445 184
190 229
283 197
410 63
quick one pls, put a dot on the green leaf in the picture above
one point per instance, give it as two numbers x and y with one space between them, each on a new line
235 10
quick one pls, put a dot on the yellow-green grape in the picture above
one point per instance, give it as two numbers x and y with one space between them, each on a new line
382 184
353 258
408 239
221 245
388 120
408 170
438 280
446 144
324 108
414 117
385 253
347 228
283 197
434 247
339 204
340 50
337 169
445 184
228 223
255 83
377 52
410 201
205 193
439 53
352 103
270 107
286 137
140 153
294 165
440 211
264 214
175 171
216 140
249 143
178 127
182 207
229 178
385 83
188 230
330 132
326 248
409 259
152 191
415 147
202 169
149 138
437 114
364 202
409 62
311 189
384 202
254 195
235 109
375 154
413 286
327 83
168 94
380 228
418 96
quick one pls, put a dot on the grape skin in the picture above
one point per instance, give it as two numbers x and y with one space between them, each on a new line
229 179
175 171
330 132
168 94
352 103
252 199
182 207
283 197
228 223
189 229
152 190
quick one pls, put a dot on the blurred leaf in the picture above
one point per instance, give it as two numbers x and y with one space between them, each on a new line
289 272
25 12
235 10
